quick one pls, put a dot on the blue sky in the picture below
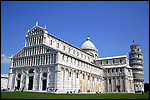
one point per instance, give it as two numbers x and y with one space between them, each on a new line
111 25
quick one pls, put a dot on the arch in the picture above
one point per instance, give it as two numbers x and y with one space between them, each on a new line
44 74
38 70
19 75
13 71
45 70
19 71
52 69
31 70
96 55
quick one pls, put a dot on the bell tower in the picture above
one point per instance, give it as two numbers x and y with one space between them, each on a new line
136 62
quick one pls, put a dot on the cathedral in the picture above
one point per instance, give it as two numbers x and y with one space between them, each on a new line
47 63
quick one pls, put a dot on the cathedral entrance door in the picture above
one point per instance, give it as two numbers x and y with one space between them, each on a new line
30 83
18 83
118 87
44 85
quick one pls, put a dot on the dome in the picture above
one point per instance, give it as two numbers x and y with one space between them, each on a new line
88 44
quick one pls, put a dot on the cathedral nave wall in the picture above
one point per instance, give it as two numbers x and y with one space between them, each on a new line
71 79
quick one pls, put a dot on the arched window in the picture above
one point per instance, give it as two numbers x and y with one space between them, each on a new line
88 77
83 76
57 45
19 75
77 75
47 50
44 74
113 61
120 69
92 54
120 61
106 62
70 74
63 57
69 50
64 48
31 70
116 70
109 81
73 51
96 55
108 70
51 42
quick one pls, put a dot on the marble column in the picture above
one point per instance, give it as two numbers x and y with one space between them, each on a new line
48 79
25 61
37 40
16 78
30 41
63 79
116 84
125 84
120 84
41 49
27 52
21 80
108 85
28 62
112 84
36 60
27 80
48 59
40 81
39 61
45 59
42 59
34 50
34 72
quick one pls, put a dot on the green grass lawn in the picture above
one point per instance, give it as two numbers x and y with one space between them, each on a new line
29 95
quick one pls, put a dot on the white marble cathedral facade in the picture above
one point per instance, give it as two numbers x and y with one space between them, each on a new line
47 61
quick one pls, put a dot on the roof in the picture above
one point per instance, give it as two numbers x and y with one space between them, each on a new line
114 57
88 44
4 75
116 66
69 44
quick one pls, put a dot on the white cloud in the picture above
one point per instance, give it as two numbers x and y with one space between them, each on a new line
5 59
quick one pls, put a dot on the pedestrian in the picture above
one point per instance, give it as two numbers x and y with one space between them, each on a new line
47 89
142 93
22 90
15 89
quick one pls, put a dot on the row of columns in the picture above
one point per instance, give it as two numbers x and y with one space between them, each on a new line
76 81
34 40
37 60
35 50
37 79
114 70
79 64
116 83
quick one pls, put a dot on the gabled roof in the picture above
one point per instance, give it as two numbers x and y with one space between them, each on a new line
36 26
55 50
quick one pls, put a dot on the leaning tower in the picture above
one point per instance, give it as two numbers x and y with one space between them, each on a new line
136 62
